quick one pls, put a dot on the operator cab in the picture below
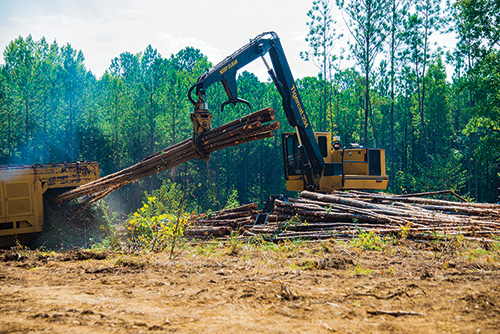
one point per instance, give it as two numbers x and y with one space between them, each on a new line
349 167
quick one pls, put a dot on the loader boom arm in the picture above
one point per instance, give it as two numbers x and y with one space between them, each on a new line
226 71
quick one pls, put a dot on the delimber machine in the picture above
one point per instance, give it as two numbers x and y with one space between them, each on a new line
23 189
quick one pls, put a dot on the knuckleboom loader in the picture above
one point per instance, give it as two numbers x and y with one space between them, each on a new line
312 160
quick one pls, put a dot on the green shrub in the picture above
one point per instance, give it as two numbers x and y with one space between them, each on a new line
160 221
368 241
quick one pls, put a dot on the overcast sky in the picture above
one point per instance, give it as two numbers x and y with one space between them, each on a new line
103 29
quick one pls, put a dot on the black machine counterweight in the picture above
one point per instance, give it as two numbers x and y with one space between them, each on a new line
312 160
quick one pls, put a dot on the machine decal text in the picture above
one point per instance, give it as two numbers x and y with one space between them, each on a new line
228 66
295 97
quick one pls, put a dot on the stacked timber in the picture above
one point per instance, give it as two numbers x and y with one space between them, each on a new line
246 129
221 223
345 214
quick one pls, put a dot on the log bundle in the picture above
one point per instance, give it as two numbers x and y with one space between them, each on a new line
221 223
346 214
255 126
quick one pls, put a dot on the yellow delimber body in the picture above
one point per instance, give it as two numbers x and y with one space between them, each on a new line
22 189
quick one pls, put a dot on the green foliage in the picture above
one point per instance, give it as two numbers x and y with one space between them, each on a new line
204 249
368 27
485 84
405 230
308 264
321 39
368 241
232 200
477 28
234 244
477 25
294 221
438 238
496 245
437 111
160 221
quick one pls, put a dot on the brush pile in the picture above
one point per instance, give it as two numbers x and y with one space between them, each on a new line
246 129
346 214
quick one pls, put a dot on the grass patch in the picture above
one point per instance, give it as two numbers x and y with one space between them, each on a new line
475 254
359 270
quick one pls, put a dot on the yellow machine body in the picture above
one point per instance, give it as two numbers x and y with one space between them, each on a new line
345 168
22 189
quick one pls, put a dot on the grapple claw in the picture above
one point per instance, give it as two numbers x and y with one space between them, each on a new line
202 121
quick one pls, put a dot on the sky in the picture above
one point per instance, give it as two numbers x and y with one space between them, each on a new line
103 29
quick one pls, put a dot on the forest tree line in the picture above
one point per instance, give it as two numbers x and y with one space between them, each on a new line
439 132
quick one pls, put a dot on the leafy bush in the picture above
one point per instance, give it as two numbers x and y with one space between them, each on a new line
160 221
368 241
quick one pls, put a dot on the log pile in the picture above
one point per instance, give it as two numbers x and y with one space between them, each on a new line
246 129
346 214
220 223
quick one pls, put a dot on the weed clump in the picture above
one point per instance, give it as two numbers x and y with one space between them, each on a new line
368 241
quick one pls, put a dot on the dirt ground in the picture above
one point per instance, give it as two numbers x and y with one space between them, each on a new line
319 287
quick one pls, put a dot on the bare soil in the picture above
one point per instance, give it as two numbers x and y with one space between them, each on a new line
319 287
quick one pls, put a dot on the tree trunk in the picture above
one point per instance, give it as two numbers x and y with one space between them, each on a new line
374 128
325 95
422 102
152 124
361 107
217 179
393 70
174 169
26 130
70 135
275 166
245 175
367 103
9 143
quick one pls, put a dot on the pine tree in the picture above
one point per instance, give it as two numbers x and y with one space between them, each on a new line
321 39
367 23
